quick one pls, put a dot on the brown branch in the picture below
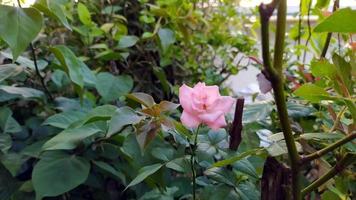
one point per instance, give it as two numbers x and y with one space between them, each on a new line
329 148
348 159
235 133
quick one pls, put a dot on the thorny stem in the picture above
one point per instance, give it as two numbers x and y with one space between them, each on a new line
276 78
192 161
348 159
329 148
48 94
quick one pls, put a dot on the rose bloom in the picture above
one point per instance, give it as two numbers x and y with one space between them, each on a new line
204 104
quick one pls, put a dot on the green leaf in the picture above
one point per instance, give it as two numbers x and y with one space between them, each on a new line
84 14
23 91
341 21
144 173
5 142
13 162
167 37
53 9
245 166
8 184
236 158
9 70
311 93
70 63
108 168
220 191
299 110
70 138
142 98
55 175
180 164
222 175
25 62
344 71
104 112
322 3
65 119
278 148
122 117
352 109
127 41
7 123
161 75
112 87
256 112
322 68
19 26
321 136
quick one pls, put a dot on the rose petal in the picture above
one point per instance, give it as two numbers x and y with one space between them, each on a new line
189 120
223 104
199 86
218 123
185 94
212 93
210 117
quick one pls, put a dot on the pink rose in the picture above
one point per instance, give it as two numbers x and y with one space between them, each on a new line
204 104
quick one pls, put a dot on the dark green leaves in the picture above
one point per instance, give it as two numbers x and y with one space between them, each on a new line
166 37
341 21
236 158
76 69
9 70
20 27
22 92
127 41
65 119
70 138
122 117
256 112
7 123
144 173
112 87
53 9
57 174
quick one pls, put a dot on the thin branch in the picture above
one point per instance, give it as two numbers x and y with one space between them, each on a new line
309 31
328 37
38 73
348 159
299 26
329 148
337 120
